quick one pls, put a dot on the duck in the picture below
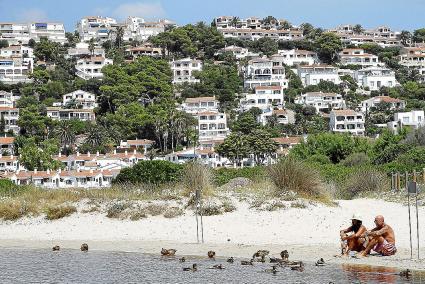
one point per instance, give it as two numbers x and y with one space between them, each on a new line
56 248
168 252
193 268
261 253
284 255
320 262
230 259
299 268
217 266
406 273
246 262
272 270
211 254
84 247
183 259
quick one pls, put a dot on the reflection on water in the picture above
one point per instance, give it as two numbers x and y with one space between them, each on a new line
72 266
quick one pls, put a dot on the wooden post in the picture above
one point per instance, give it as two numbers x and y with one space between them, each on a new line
398 181
406 177
414 176
423 175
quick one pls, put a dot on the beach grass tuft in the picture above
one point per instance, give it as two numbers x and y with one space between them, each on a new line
58 212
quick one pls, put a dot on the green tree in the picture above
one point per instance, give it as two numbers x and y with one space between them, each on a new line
328 47
405 37
419 35
358 29
235 147
261 145
40 156
4 43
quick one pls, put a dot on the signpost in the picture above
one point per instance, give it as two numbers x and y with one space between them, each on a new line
199 211
412 189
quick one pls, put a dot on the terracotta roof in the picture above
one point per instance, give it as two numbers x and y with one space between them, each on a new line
281 111
387 99
139 142
268 88
7 140
200 99
8 158
344 112
288 140
8 108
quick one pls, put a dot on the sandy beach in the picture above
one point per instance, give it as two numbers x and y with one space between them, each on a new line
307 234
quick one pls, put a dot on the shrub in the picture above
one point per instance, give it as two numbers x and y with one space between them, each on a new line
365 180
211 209
289 174
356 159
137 215
173 212
196 176
58 212
224 175
115 210
152 172
155 209
10 211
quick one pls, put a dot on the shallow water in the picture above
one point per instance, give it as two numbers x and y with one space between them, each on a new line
72 266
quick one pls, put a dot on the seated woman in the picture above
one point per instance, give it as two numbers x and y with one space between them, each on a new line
356 240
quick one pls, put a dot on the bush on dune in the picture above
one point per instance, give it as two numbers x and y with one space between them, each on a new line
58 212
364 180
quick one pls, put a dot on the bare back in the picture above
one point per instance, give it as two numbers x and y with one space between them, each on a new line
386 232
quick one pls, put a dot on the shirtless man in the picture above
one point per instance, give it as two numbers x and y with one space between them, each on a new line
353 242
381 239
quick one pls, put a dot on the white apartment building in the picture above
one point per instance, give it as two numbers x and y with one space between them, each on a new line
357 56
200 104
286 143
144 50
138 29
298 57
414 58
7 146
8 99
143 145
183 70
262 71
375 77
395 104
207 156
95 27
383 36
63 179
314 74
9 163
212 125
81 49
56 113
264 98
347 121
321 101
282 115
238 52
19 51
21 33
414 118
11 117
91 68
15 70
80 99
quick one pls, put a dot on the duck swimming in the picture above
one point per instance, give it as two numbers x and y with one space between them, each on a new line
56 248
193 268
217 266
168 252
230 260
320 262
84 247
245 262
211 254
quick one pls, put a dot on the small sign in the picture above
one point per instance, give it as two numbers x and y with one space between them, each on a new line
412 188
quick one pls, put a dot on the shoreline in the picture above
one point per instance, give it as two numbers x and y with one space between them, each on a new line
306 253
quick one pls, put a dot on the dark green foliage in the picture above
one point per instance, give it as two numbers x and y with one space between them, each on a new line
224 175
152 172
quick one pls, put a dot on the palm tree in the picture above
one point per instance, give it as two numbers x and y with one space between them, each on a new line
358 29
119 34
91 46
66 134
405 37
234 22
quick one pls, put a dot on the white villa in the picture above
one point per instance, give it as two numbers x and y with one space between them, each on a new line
11 117
283 116
81 49
414 118
298 57
183 70
314 74
95 27
395 104
91 68
200 104
238 52
321 101
375 77
212 125
8 99
347 121
21 33
264 98
7 146
81 99
357 56
262 71
144 50
57 113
